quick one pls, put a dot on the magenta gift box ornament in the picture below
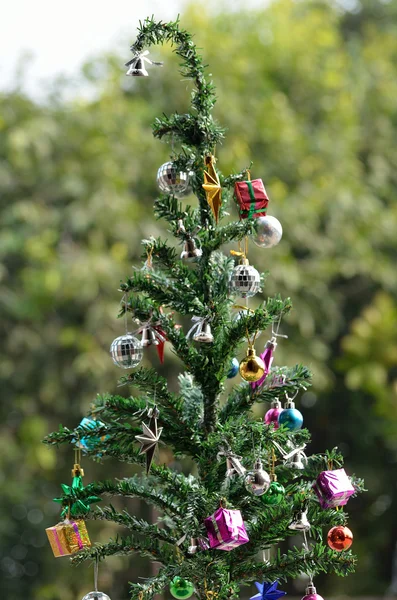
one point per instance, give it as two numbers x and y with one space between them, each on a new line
267 357
333 488
226 529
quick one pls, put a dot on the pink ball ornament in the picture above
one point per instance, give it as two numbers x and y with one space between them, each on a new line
311 594
273 413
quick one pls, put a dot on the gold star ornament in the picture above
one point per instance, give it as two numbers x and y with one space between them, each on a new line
212 186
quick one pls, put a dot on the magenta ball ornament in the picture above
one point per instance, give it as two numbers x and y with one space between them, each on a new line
311 594
272 415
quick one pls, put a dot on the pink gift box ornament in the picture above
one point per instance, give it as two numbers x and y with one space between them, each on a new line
333 488
226 529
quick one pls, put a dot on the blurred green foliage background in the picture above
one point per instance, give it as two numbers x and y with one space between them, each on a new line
308 91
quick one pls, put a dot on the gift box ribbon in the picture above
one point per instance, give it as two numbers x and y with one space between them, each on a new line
78 537
58 541
333 481
252 210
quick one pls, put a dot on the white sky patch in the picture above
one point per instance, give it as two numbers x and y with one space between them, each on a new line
54 38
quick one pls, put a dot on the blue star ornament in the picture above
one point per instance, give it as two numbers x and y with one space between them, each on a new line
268 591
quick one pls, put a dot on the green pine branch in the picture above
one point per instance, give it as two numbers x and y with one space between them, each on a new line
163 291
134 487
120 546
171 209
243 397
109 513
291 565
235 231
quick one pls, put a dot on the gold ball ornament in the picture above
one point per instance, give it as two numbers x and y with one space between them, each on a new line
252 368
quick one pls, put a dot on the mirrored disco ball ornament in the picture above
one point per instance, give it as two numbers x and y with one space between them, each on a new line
245 280
96 596
126 351
172 181
268 232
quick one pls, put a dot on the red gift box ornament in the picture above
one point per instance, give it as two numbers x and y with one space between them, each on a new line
251 197
333 488
225 529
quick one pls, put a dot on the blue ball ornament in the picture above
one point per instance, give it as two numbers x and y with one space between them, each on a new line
234 367
291 418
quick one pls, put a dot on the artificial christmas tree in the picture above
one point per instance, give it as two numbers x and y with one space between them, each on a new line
252 485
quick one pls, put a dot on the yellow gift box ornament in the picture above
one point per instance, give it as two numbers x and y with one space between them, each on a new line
68 537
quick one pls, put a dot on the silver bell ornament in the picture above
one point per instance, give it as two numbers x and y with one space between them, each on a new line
300 522
298 461
149 337
96 596
191 252
137 69
171 180
193 548
136 66
257 481
126 351
268 232
245 280
203 333
234 466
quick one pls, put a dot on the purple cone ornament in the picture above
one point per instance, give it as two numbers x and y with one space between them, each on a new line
271 417
267 357
203 543
333 488
225 529
311 593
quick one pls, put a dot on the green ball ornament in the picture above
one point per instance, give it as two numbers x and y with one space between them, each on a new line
181 588
274 494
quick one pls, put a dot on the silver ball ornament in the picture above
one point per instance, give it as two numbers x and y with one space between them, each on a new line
257 481
96 596
126 351
245 281
171 180
268 232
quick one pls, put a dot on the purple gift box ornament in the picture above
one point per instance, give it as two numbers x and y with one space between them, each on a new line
267 357
225 529
333 488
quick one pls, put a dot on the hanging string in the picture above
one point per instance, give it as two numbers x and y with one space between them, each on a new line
77 455
251 342
209 594
96 567
276 333
125 303
306 548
